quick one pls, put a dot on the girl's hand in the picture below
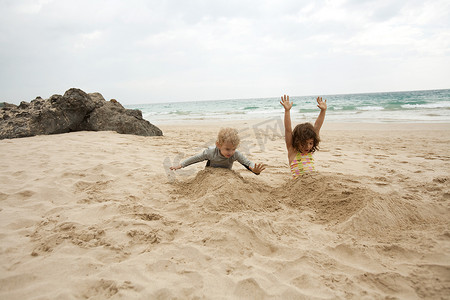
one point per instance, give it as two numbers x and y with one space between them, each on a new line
258 168
285 102
321 104
174 168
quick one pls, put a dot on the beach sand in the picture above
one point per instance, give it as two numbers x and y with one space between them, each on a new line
95 215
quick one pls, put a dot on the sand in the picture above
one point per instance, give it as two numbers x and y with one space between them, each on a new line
95 215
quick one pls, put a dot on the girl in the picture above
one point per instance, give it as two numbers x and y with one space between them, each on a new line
303 140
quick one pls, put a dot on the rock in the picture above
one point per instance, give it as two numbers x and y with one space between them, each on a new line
98 99
5 105
113 116
74 111
24 105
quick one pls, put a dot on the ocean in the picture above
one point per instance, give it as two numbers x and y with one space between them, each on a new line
430 106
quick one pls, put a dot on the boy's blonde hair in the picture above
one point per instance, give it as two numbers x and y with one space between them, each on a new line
228 135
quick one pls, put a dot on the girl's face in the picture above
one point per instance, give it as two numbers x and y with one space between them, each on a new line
307 146
226 149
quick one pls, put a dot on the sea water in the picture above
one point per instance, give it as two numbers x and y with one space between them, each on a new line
431 106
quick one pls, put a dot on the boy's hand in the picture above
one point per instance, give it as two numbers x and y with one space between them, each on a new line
321 104
258 168
174 168
285 102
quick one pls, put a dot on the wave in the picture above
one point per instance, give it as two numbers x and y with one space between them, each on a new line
370 108
429 106
443 104
251 107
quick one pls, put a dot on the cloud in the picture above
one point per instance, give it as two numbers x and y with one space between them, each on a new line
151 51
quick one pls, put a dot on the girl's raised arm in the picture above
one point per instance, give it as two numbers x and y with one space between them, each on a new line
323 108
287 121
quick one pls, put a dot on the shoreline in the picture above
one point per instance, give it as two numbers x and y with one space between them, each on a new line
327 125
293 119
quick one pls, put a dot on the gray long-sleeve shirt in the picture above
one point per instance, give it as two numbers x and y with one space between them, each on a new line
217 160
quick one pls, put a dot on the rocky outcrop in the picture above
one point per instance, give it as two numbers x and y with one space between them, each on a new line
74 111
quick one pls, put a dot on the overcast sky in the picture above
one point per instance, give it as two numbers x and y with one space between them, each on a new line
160 51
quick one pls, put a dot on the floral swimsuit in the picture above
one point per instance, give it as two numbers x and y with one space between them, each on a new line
302 163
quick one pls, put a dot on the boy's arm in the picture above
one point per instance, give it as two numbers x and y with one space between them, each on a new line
192 160
255 168
321 118
244 160
287 121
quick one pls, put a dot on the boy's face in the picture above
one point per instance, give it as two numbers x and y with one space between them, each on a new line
226 149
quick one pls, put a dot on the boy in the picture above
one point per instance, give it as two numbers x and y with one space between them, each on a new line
223 154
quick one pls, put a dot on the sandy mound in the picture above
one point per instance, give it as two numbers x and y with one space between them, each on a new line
225 190
332 198
346 204
340 201
398 212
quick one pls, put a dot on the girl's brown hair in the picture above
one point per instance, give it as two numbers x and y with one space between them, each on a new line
302 133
